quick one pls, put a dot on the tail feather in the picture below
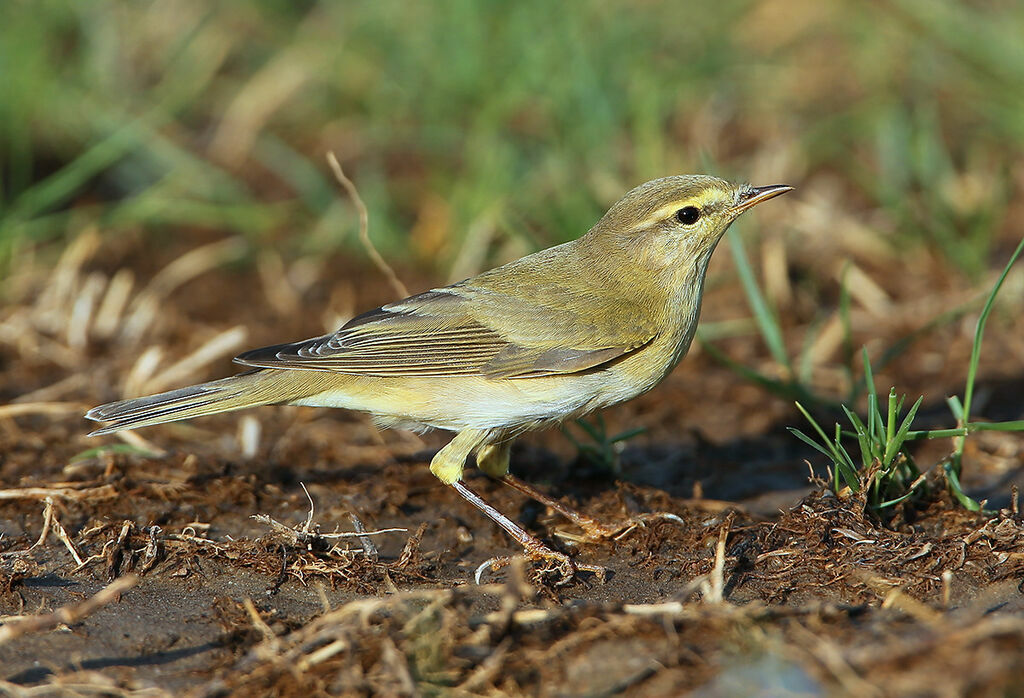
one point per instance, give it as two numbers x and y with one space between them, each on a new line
259 387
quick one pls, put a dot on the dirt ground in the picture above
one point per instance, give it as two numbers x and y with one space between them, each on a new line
767 584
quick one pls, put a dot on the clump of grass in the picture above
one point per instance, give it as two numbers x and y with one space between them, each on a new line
886 467
886 470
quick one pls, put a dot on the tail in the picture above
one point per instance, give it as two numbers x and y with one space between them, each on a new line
250 389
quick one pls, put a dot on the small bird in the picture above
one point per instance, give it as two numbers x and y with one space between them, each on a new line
553 336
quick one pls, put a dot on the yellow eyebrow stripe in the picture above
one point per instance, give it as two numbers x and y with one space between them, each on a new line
665 211
700 201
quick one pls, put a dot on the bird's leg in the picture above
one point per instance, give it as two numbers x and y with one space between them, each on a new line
533 546
593 528
450 461
492 458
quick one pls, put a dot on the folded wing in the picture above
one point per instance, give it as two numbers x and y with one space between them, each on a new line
456 331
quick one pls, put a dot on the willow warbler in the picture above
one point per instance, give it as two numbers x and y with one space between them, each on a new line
552 336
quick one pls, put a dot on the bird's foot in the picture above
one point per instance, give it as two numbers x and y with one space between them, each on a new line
561 566
534 548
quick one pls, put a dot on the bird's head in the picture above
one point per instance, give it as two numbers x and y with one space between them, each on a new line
674 220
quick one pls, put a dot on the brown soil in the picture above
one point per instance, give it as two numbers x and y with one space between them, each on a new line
770 585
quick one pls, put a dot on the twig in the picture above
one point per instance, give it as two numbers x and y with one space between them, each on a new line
894 597
295 536
50 520
258 622
47 520
217 347
21 408
364 225
62 535
114 554
364 540
411 549
68 615
716 582
115 300
145 307
308 526
152 550
134 439
81 683
831 658
80 317
103 491
399 665
49 393
186 537
93 558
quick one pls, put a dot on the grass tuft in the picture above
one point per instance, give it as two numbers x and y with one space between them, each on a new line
886 467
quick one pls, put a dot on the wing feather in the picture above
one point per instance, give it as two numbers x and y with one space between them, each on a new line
442 333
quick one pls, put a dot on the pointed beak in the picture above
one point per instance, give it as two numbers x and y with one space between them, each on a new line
752 196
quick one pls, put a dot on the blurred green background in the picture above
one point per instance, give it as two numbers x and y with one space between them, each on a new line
478 131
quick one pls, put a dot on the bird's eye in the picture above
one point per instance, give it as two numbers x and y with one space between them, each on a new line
688 215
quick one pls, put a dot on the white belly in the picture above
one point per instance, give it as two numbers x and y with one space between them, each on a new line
471 402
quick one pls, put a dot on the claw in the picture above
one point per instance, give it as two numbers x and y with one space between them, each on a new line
641 520
494 564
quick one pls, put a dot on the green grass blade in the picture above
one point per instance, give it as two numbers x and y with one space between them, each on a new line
910 490
1015 425
783 389
890 423
847 323
592 431
953 478
827 452
766 319
869 377
127 449
956 407
845 466
805 361
901 434
627 435
979 331
861 432
56 189
814 424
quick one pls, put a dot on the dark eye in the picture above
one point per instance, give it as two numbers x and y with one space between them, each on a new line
688 215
